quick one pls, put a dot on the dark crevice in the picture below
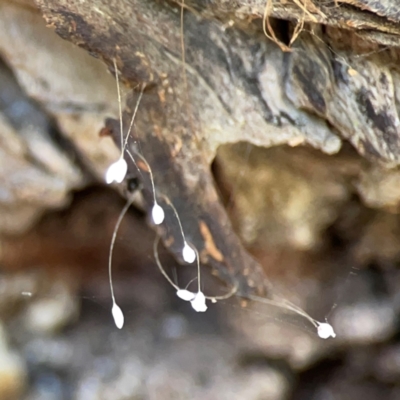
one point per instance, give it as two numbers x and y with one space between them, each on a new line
309 382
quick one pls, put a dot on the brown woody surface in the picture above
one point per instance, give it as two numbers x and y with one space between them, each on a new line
240 87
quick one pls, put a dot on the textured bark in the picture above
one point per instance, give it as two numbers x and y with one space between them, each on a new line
236 75
241 87
316 201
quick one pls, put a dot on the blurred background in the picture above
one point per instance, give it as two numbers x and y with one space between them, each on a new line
326 230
